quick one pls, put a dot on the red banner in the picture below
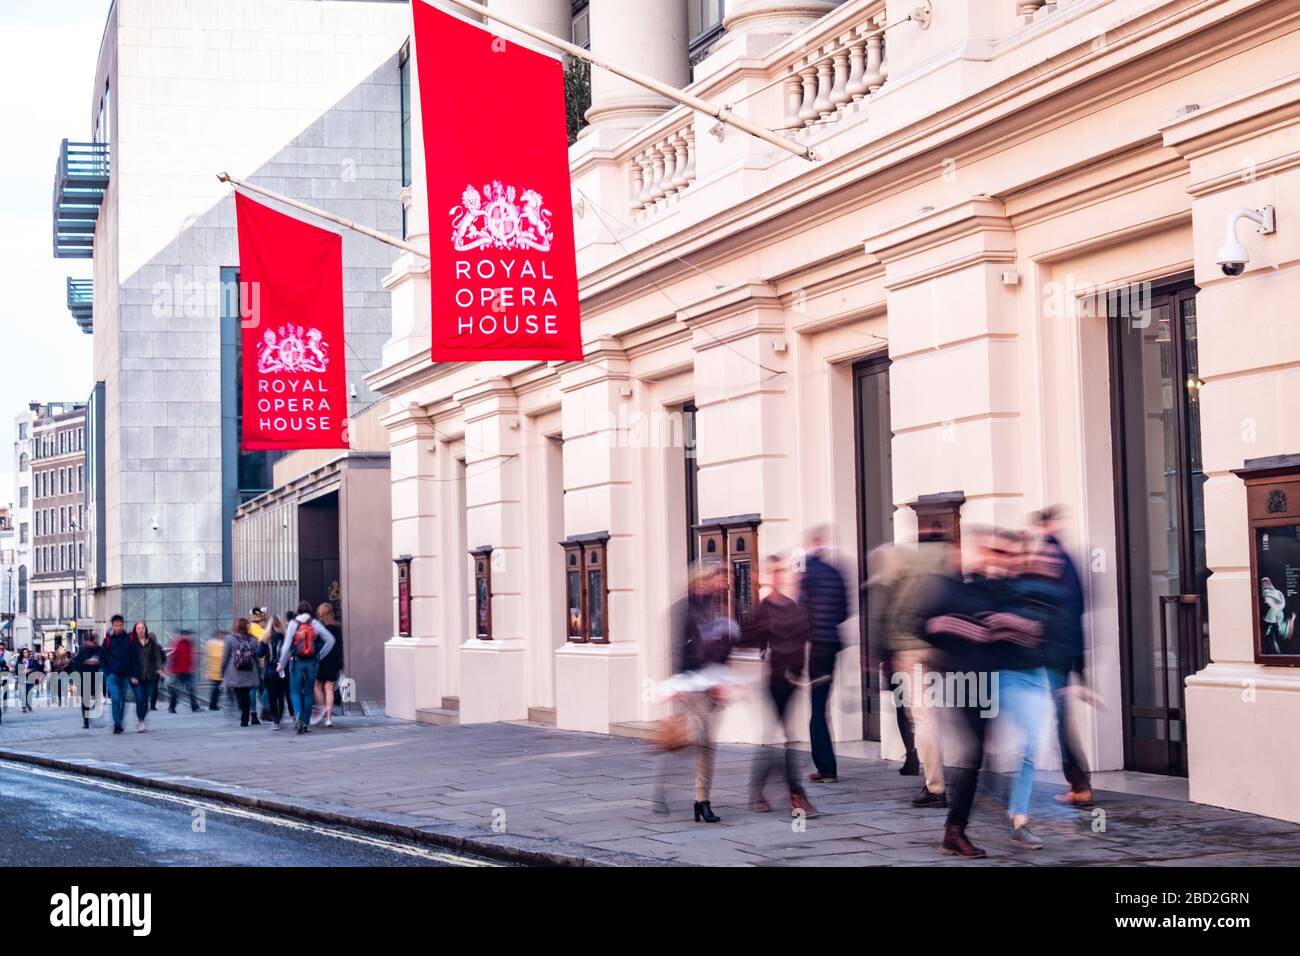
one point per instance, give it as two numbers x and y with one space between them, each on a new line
504 281
294 365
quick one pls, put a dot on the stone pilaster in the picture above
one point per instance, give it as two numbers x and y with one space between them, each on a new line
413 677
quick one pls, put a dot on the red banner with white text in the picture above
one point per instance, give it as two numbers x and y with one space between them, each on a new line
502 271
291 308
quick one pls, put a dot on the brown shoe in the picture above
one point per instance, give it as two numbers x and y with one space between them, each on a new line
1075 798
759 804
956 844
822 778
798 802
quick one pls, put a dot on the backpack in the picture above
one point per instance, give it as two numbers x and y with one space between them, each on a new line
243 654
304 640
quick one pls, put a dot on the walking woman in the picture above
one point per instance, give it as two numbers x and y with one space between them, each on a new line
147 661
277 686
331 666
239 672
702 639
25 671
60 669
782 631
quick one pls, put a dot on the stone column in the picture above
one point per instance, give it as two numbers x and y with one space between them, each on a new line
551 16
492 674
779 17
413 677
1240 155
648 36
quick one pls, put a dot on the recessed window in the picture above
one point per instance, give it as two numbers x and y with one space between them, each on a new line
482 593
586 589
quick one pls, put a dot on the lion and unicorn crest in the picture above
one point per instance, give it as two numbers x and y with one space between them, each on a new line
493 220
292 350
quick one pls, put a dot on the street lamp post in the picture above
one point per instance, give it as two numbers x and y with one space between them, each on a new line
73 642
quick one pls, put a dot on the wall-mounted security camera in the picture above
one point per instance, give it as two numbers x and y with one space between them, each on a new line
1232 256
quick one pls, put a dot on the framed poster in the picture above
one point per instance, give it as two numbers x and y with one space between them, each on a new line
1273 513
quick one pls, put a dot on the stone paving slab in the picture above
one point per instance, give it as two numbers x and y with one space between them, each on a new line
566 791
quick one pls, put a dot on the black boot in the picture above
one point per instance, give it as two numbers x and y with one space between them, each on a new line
705 812
928 799
85 723
911 766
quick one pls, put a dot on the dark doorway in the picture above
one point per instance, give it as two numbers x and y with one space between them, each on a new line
1160 509
318 551
875 489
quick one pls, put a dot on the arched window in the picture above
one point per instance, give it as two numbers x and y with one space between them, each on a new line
22 589
22 462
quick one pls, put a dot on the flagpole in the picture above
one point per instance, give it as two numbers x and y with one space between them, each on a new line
345 223
722 114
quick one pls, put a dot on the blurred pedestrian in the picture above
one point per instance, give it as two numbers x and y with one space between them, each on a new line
1064 653
780 629
823 594
888 567
213 661
158 681
146 664
86 667
240 672
702 639
180 665
306 642
60 669
976 632
1035 594
277 686
257 618
116 663
25 672
331 666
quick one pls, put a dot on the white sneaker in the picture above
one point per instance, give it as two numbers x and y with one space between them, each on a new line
141 728
276 726
317 715
329 722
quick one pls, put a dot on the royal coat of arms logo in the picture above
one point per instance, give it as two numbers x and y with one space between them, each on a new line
292 350
493 220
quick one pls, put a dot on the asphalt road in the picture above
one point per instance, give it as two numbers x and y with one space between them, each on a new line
52 818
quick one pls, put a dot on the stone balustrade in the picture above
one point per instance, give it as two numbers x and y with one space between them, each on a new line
662 169
839 75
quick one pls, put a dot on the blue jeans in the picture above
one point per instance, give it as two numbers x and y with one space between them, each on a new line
302 686
1023 698
118 687
144 698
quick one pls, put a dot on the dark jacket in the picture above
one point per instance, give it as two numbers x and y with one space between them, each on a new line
976 624
823 595
87 660
146 660
115 654
1064 638
700 637
780 627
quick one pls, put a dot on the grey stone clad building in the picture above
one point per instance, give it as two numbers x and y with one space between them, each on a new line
303 98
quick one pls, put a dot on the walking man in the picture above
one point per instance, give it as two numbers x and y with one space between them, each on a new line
180 664
823 595
306 642
116 662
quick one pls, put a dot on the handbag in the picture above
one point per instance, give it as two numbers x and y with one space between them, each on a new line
673 733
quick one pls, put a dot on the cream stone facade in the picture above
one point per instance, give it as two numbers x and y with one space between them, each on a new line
1003 259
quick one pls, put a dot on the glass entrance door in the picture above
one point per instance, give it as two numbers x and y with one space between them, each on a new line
1161 523
875 507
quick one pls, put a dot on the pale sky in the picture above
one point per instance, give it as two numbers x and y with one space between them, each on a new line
48 51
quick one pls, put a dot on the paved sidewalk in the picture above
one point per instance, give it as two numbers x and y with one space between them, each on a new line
580 790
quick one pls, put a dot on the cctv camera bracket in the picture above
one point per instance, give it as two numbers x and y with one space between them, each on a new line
1263 217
